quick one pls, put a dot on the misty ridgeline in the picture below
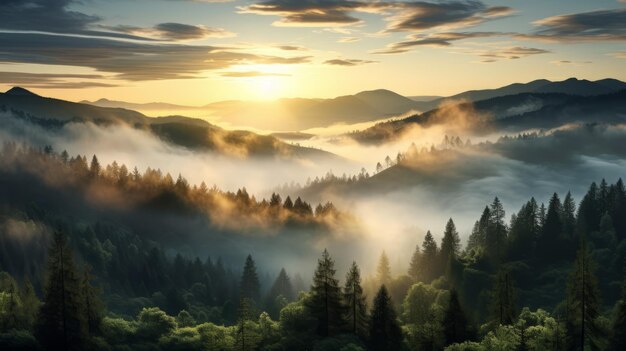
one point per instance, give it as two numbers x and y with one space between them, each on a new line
72 282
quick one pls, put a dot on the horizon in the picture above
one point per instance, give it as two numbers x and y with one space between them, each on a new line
434 97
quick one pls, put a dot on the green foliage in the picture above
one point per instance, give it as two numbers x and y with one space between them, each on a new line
503 297
250 288
153 323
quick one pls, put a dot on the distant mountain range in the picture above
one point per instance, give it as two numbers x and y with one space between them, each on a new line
183 131
292 114
297 114
554 105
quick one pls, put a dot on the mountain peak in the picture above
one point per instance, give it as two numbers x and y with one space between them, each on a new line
18 91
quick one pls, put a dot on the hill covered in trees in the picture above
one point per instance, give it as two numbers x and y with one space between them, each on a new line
195 134
551 278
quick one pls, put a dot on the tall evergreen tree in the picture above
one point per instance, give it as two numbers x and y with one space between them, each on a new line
450 243
455 325
246 337
503 299
354 300
94 308
568 216
61 324
384 270
583 303
415 266
479 233
496 233
250 287
551 233
385 333
588 217
280 294
325 303
430 253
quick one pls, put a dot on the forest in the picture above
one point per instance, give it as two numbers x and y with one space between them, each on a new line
550 278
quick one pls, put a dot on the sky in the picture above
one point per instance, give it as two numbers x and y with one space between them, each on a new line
194 52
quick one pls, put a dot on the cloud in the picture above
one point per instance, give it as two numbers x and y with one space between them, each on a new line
174 31
51 17
249 74
348 62
403 16
420 16
503 53
52 81
291 47
129 60
348 40
569 62
619 54
436 39
602 25
308 12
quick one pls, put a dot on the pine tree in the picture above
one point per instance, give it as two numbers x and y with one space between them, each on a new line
383 270
94 168
503 297
94 308
325 303
455 326
250 288
568 216
354 300
246 337
385 333
583 303
496 232
61 323
430 253
550 237
280 294
450 243
415 266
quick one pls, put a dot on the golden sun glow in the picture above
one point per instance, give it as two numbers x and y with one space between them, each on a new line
267 87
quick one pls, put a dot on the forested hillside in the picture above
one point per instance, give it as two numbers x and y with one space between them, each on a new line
550 278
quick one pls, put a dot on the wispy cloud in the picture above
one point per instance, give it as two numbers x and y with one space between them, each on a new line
129 60
53 81
402 16
249 74
436 39
173 31
348 62
603 25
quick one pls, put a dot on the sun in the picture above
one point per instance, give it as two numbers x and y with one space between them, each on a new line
267 87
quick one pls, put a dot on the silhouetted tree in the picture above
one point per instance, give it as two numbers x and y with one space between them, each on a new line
385 333
354 300
415 266
61 323
455 326
250 287
325 303
383 270
450 243
583 303
503 299
430 253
